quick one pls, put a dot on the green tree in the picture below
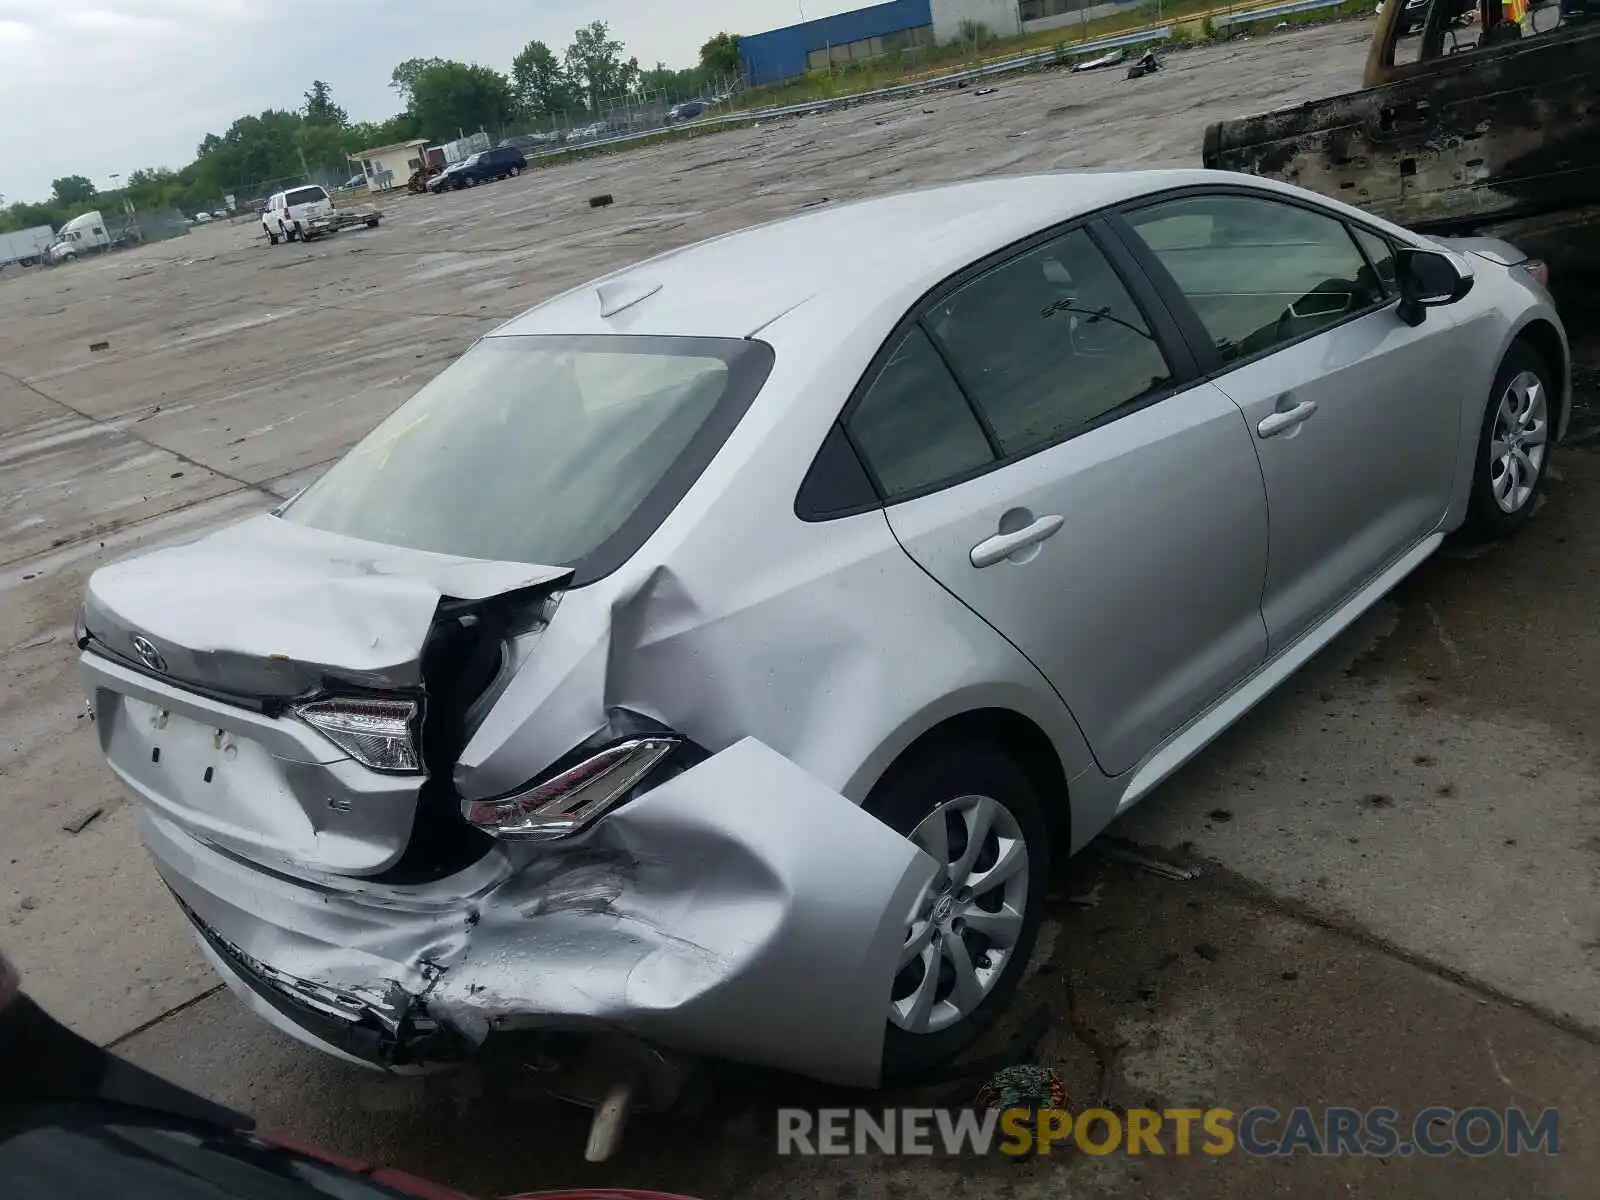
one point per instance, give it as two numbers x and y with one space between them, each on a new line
453 98
27 216
595 63
403 78
324 148
320 108
541 84
720 55
254 149
72 191
367 135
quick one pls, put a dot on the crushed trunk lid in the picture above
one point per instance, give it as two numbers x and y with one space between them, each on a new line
196 656
269 609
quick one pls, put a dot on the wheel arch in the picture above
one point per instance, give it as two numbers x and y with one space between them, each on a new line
1545 339
1019 737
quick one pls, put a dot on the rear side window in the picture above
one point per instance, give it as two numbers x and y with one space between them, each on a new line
563 451
1049 344
1259 273
913 426
306 196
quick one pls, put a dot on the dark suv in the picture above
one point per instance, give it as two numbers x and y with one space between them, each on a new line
502 162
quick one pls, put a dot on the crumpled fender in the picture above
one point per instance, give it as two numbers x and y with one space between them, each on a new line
742 909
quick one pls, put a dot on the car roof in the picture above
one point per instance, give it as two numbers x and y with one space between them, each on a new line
857 255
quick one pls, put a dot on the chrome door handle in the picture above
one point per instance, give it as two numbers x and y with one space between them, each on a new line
1003 545
1282 422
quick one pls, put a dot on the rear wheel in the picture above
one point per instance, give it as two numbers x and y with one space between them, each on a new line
974 810
472 181
290 233
272 238
1514 444
514 172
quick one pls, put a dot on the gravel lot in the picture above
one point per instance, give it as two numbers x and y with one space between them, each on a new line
1403 847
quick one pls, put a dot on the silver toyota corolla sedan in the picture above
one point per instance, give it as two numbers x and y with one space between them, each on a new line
720 653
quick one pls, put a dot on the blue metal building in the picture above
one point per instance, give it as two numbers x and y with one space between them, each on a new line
839 40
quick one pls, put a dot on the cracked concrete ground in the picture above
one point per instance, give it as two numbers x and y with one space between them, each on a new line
1400 849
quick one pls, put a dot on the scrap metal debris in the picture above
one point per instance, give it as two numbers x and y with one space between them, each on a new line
604 201
1153 866
79 822
1088 899
96 347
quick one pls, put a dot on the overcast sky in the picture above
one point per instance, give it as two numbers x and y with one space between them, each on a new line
92 87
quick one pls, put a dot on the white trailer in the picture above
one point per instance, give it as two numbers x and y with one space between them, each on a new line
29 247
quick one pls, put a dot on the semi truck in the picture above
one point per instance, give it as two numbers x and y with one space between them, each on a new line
26 247
1487 126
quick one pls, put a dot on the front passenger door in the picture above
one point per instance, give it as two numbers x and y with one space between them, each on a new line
1355 415
1077 490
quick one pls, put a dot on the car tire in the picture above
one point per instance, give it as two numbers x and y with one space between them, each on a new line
948 780
272 238
291 233
1522 404
514 172
472 181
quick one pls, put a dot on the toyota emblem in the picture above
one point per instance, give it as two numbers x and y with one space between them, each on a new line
149 655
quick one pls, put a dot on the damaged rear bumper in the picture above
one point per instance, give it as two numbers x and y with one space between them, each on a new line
740 910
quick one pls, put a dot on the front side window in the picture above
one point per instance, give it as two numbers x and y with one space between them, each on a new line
1380 253
537 449
1049 344
913 426
1258 273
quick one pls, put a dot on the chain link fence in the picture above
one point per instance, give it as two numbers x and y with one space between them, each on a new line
630 112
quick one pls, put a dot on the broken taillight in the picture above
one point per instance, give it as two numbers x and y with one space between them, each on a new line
574 798
381 734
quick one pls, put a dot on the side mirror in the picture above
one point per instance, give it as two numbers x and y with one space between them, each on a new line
1428 279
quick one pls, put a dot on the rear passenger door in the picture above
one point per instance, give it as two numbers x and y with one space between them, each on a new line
1048 454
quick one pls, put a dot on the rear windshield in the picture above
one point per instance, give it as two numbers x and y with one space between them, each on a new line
305 196
562 451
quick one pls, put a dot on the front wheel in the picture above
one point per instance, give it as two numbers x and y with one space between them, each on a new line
514 172
472 181
974 810
1514 444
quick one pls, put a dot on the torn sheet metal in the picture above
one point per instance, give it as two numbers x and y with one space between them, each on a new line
742 909
1456 143
271 608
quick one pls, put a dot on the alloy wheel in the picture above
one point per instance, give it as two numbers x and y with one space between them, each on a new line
1518 444
965 925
